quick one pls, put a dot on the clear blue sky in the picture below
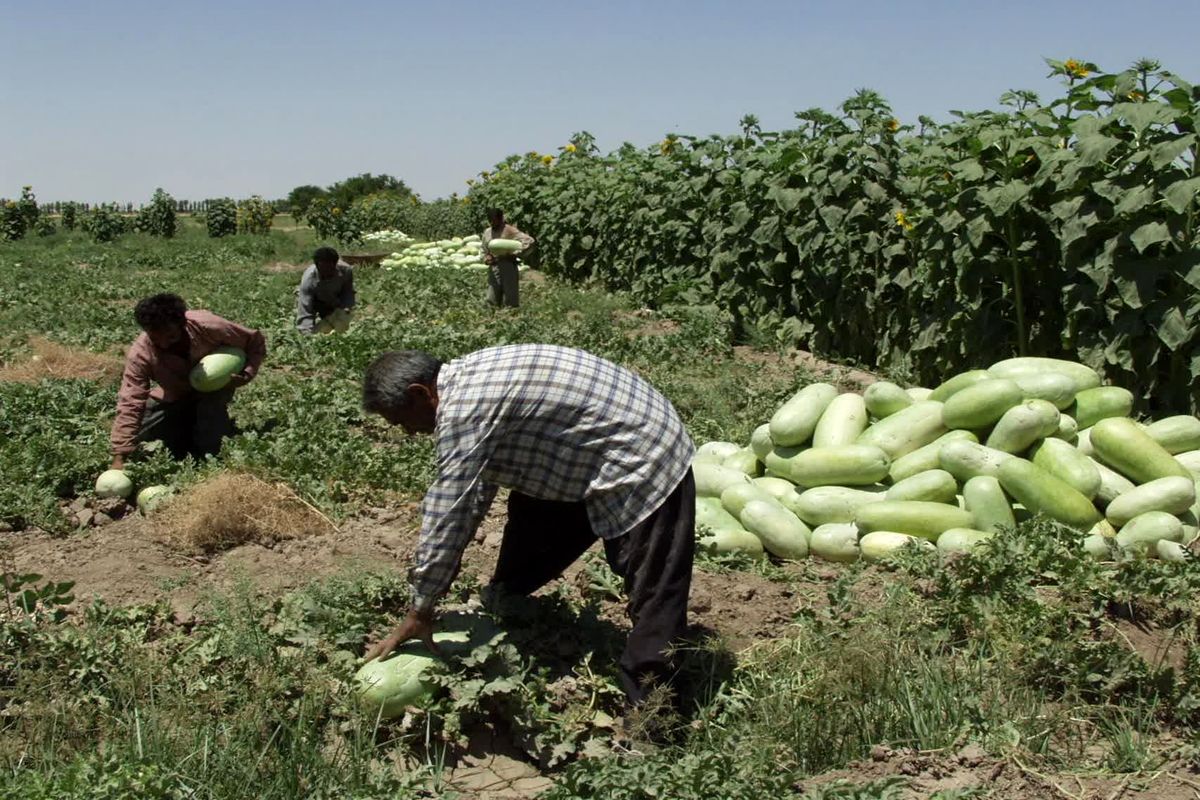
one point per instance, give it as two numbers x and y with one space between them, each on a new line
107 100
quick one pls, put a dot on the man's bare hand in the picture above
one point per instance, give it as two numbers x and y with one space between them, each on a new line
417 625
489 259
118 462
239 380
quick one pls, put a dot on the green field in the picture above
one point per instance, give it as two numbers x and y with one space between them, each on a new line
1023 672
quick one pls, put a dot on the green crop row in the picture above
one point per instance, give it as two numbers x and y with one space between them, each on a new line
1063 228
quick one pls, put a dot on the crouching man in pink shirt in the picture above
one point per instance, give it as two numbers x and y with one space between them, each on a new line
173 341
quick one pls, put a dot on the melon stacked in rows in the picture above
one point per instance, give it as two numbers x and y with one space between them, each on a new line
843 476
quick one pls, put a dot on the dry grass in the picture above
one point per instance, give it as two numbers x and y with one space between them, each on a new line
54 360
283 266
235 508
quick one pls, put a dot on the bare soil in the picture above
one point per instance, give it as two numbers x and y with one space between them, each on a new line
925 774
131 561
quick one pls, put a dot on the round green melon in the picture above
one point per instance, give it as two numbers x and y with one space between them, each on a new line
215 369
152 497
387 686
113 483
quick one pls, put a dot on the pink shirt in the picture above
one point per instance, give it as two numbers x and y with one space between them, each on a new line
145 363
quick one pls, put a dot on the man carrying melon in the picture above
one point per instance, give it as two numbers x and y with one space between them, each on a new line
325 296
502 243
588 451
196 359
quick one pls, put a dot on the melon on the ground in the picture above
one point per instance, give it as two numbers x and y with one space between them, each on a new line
114 483
387 686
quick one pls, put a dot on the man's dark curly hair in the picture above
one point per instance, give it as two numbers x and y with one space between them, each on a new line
160 311
325 254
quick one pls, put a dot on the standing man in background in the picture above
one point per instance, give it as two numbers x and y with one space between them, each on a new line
503 278
326 289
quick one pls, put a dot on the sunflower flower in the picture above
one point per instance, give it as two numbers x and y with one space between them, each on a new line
1075 69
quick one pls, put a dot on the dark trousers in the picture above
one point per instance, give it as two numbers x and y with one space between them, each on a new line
193 425
504 283
543 537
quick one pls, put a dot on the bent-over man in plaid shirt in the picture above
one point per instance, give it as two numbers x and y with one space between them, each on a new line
588 449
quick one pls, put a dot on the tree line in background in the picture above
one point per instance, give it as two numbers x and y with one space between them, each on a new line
348 209
104 222
341 212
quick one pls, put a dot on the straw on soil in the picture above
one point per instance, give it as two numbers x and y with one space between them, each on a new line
232 509
54 360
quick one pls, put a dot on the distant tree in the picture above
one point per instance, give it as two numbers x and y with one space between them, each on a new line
299 199
343 193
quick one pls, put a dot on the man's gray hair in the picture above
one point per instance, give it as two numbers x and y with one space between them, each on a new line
387 380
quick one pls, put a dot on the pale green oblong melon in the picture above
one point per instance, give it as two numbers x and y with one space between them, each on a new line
914 517
743 460
794 422
958 383
731 540
823 505
926 458
846 465
712 515
884 398
214 370
906 430
1112 484
1097 546
782 490
1141 532
844 419
760 441
1068 429
1173 494
1066 463
712 478
878 545
835 541
782 533
1178 434
988 504
1023 425
735 497
965 459
962 540
1101 402
718 450
1084 376
504 247
1167 550
1053 387
934 485
981 404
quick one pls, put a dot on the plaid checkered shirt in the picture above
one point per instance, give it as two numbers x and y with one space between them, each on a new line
550 422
